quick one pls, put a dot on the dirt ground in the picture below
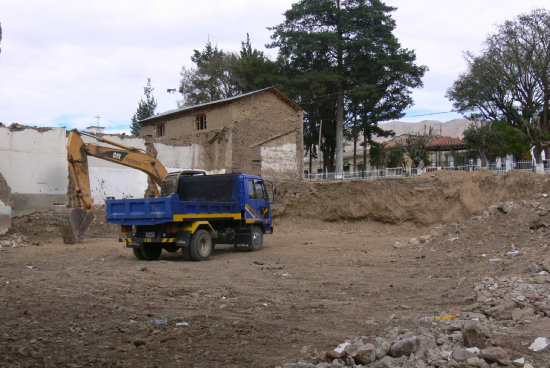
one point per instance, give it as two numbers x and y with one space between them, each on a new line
344 261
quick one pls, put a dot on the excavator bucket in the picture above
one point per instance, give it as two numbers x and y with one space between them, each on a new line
73 223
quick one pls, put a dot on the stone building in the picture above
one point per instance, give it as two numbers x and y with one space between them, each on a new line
259 132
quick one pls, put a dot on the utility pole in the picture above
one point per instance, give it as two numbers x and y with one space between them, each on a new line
320 151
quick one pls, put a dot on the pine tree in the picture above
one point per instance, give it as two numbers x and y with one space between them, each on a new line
145 109
212 78
349 50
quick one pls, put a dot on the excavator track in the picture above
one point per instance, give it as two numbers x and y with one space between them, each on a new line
73 223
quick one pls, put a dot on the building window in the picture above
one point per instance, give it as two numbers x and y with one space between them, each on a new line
200 122
160 130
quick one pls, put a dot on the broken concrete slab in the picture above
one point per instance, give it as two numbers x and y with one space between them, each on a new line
5 218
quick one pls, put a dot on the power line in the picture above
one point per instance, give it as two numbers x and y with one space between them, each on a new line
432 113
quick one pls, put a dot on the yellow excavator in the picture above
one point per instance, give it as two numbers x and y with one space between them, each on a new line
73 222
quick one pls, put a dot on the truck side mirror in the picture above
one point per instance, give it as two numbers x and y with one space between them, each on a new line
274 194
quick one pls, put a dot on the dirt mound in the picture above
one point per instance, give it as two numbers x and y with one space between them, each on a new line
41 227
441 197
499 264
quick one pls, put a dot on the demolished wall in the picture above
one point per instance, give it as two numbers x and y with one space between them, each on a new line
33 163
34 170
108 179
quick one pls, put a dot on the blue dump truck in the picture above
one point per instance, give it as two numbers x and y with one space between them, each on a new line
194 213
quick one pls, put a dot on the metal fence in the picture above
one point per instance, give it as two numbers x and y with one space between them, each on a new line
402 172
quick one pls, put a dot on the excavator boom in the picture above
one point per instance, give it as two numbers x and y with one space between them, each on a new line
74 222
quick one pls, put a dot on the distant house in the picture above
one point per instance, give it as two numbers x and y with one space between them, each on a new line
441 150
444 149
260 132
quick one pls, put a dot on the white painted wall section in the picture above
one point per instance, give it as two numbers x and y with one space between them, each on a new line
118 182
34 161
188 157
279 159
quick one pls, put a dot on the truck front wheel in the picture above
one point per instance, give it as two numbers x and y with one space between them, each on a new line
200 246
256 241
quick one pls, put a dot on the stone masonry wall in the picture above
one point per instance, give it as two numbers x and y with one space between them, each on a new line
176 126
258 118
237 131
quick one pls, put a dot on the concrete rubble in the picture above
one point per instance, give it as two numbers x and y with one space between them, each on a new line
443 344
15 241
5 218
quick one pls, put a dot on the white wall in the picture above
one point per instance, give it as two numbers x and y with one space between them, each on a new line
118 182
188 157
108 179
34 164
34 161
279 159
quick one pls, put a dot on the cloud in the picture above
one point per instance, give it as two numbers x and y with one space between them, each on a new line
63 62
441 31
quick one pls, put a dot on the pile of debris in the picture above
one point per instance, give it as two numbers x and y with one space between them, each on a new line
16 241
36 228
476 338
41 227
448 343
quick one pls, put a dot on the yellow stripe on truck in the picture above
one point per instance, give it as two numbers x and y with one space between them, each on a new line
192 227
252 211
234 216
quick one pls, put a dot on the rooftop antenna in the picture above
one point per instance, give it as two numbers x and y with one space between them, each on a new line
97 117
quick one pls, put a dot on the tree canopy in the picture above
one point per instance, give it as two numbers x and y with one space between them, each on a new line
338 60
211 79
146 108
510 79
348 49
218 74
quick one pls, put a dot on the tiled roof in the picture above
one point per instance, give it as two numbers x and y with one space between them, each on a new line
446 142
393 144
435 143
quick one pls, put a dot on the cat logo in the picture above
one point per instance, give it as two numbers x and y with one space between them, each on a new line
114 155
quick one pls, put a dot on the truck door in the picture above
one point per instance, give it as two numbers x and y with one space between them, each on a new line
258 206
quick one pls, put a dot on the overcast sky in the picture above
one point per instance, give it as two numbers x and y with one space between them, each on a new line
64 62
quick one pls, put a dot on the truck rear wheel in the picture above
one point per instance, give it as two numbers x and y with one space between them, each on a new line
137 253
151 251
200 246
186 254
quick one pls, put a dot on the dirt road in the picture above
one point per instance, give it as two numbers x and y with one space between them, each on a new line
314 285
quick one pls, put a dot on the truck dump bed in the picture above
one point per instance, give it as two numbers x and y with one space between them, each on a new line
197 197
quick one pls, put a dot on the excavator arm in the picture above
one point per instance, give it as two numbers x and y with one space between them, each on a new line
74 222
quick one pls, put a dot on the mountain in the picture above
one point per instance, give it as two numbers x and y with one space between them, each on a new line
452 128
